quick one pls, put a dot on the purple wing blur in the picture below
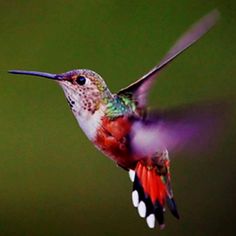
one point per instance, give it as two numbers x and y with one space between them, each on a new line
193 128
140 88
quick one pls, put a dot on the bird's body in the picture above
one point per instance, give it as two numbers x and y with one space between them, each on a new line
109 121
137 140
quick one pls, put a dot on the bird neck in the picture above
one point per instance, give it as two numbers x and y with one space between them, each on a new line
117 106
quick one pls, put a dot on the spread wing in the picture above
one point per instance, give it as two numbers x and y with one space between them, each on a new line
139 89
192 128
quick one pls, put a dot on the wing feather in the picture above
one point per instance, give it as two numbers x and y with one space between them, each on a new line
192 128
139 89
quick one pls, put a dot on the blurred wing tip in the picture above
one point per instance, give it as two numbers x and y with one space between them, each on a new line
215 13
213 16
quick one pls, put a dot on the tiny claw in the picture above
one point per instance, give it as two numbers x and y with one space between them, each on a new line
162 226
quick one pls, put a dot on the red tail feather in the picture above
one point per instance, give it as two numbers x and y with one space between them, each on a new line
151 190
152 183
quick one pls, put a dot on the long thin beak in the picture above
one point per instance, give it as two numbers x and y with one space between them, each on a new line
36 73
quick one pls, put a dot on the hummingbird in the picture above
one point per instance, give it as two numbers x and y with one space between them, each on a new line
136 138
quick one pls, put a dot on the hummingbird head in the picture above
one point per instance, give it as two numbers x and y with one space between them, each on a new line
84 89
86 93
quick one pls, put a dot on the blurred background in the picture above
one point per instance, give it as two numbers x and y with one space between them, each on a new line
52 180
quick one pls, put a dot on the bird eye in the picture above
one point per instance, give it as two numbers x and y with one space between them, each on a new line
81 80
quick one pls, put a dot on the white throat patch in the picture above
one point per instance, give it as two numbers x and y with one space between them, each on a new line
88 121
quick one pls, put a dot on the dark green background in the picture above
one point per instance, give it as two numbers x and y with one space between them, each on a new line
52 180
